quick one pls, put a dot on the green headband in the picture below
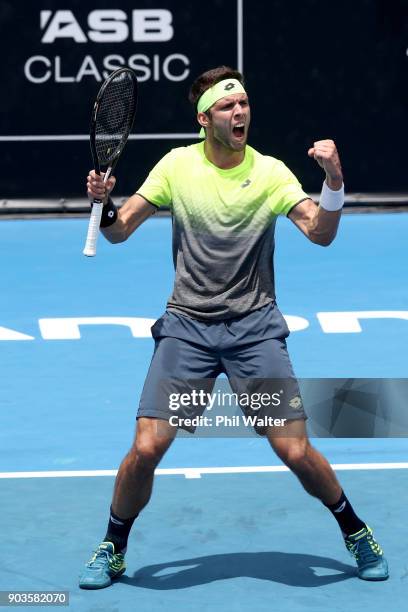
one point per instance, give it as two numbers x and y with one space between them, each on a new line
216 92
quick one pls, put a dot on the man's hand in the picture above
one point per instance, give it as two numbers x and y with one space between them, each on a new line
97 189
326 155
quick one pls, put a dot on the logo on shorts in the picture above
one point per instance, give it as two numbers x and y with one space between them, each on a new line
295 402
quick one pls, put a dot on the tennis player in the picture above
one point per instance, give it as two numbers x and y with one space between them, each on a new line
222 316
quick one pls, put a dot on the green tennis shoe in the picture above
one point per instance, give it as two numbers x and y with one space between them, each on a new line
371 563
104 566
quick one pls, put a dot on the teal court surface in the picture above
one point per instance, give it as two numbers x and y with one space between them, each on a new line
227 528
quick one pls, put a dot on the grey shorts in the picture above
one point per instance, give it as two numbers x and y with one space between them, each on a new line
190 354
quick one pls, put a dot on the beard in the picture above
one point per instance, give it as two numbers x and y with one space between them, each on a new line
228 140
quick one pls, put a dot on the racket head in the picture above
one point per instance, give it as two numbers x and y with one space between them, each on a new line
112 117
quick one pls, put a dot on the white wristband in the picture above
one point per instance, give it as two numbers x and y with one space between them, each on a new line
331 200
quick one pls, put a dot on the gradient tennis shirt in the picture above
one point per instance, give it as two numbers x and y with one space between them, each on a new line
223 228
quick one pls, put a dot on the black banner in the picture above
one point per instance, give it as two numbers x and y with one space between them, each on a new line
313 70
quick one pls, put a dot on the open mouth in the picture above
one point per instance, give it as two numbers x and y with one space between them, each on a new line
239 130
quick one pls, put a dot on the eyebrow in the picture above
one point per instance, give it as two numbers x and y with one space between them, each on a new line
229 100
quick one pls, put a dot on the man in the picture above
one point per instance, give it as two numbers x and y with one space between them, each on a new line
222 315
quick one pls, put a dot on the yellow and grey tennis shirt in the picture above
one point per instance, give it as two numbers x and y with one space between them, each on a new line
223 228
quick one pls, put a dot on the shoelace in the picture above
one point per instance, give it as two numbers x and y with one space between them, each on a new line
99 558
366 549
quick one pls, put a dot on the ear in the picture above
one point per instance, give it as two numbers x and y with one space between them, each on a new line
203 120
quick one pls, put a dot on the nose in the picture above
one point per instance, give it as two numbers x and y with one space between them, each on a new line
237 110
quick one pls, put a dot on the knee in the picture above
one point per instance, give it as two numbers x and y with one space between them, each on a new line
293 452
146 454
152 439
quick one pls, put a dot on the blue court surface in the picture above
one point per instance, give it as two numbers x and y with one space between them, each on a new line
227 528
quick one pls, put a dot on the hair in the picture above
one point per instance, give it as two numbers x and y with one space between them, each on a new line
210 78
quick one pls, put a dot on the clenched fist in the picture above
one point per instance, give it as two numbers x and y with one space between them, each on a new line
326 155
96 188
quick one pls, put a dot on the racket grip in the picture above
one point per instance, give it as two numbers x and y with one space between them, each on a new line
93 229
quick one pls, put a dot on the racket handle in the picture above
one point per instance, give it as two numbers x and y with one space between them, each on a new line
93 229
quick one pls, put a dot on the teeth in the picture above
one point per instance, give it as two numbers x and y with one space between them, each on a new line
240 125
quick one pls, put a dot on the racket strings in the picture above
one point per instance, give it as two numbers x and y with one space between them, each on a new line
115 117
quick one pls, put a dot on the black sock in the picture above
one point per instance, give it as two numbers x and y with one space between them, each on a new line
345 516
118 531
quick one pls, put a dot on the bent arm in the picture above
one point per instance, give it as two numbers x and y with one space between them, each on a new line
316 223
320 223
132 214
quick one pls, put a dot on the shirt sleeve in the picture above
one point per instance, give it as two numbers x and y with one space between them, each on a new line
157 188
285 191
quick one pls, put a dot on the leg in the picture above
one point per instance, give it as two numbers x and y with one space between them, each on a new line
293 447
319 480
181 357
263 363
177 367
134 481
133 487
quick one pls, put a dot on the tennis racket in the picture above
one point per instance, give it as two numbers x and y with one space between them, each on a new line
112 119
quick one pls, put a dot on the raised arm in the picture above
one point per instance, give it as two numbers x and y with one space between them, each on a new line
320 223
123 221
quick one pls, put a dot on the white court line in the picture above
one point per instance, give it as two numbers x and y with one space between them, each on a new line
194 472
